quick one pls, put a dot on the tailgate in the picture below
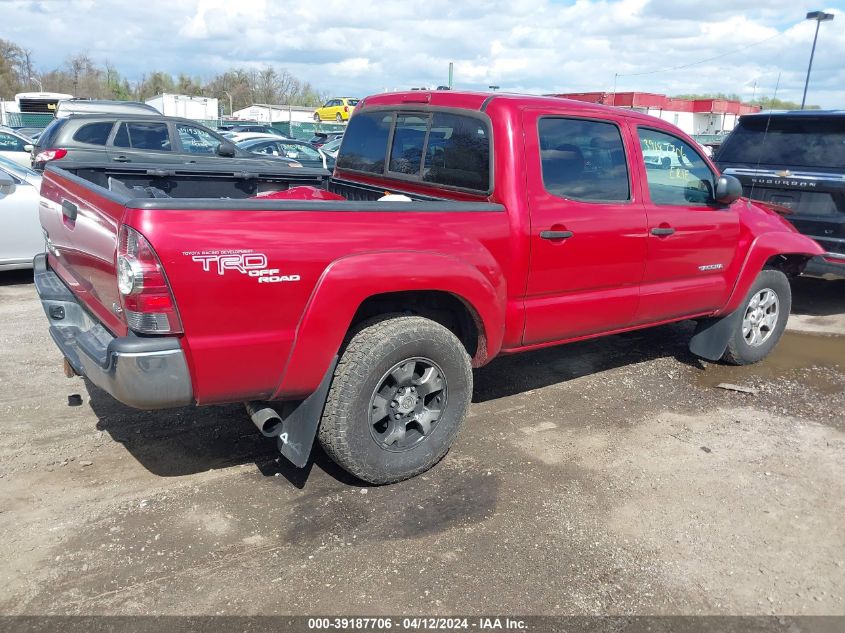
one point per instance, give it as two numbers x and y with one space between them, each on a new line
82 232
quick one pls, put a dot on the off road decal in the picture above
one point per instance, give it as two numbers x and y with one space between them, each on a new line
243 261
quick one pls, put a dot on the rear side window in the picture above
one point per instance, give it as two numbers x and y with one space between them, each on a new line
365 142
143 135
439 147
583 160
94 133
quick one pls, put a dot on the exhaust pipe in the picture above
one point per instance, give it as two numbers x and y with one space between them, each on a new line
265 418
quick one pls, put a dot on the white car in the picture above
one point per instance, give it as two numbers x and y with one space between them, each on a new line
15 146
21 236
332 147
239 137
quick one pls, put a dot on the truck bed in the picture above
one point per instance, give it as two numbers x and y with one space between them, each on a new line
240 333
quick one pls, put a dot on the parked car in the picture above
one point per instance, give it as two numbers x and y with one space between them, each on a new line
21 235
331 148
239 137
269 145
239 128
31 133
337 314
15 146
663 156
132 138
321 138
337 109
71 107
795 162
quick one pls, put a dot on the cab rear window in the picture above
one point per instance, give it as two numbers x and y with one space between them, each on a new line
441 148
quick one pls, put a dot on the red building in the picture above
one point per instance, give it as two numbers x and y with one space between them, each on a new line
698 117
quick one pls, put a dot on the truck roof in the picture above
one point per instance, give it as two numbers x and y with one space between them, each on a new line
480 101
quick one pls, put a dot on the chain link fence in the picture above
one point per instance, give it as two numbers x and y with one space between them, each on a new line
24 119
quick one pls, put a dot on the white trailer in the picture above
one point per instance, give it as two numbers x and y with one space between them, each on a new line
201 108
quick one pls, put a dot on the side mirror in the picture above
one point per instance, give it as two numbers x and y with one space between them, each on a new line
226 149
728 190
28 147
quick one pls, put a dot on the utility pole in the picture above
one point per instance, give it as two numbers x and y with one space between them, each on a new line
451 70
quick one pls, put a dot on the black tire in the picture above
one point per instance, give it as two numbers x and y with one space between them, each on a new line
666 162
740 351
338 117
346 429
316 117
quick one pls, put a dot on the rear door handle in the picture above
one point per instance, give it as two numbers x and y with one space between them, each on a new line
555 235
661 230
120 159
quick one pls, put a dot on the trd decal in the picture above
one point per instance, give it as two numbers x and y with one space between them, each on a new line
711 267
245 262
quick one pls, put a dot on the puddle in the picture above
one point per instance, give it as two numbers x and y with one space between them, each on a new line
815 361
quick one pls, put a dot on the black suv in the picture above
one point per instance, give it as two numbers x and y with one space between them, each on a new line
133 139
795 161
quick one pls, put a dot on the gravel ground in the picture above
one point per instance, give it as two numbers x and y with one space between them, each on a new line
604 477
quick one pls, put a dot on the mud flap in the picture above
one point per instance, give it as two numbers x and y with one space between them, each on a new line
711 336
299 427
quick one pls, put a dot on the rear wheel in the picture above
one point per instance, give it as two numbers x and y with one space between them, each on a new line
764 315
399 395
338 118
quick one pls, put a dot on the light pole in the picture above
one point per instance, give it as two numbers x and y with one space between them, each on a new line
225 92
819 17
493 88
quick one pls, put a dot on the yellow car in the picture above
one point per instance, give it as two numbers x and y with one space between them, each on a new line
339 109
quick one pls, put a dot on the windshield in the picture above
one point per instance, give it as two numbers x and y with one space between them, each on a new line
791 141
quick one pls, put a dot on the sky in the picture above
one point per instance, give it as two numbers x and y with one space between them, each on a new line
360 47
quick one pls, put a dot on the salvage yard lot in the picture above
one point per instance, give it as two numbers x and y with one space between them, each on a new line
608 476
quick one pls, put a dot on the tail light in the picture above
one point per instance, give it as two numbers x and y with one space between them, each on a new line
46 155
144 292
346 108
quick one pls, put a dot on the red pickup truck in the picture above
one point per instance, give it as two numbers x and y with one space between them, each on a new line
335 311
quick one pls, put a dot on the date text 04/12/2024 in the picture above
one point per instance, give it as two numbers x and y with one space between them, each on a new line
417 624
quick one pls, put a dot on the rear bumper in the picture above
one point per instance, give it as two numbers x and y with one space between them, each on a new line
830 265
145 373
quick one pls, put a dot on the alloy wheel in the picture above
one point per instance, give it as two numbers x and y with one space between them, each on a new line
407 404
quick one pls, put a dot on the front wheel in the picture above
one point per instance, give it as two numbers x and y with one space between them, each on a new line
316 117
763 320
399 395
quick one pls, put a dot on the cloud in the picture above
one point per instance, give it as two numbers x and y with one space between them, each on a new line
536 46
